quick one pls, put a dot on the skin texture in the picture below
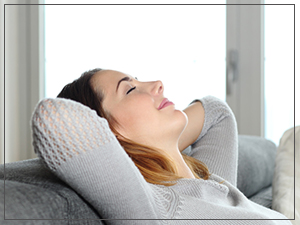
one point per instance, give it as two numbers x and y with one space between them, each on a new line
134 104
195 113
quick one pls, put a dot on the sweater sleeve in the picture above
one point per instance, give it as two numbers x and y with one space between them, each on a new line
79 147
217 144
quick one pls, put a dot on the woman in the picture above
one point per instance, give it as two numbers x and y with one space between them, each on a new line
151 180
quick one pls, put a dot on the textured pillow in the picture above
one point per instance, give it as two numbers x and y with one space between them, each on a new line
256 162
283 182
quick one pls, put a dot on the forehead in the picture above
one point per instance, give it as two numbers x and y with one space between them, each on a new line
106 80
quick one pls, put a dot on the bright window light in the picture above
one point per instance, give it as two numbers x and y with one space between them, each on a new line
279 70
181 45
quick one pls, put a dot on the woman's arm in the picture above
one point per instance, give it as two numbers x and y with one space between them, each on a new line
195 115
217 144
78 146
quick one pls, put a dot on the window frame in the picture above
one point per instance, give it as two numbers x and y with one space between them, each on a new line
245 90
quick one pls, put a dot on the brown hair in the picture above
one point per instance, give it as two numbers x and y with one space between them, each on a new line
155 165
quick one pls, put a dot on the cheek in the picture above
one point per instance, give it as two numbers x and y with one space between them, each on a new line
134 115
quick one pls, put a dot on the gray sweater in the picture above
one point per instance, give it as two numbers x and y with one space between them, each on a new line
79 147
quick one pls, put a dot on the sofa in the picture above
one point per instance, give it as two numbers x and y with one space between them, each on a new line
31 194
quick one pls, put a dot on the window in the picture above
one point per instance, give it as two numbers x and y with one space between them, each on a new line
182 45
279 70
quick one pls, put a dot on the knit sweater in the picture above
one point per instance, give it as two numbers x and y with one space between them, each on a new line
79 147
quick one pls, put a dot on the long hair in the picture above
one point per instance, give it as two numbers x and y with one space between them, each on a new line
155 165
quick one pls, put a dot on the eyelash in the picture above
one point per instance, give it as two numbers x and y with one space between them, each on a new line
131 89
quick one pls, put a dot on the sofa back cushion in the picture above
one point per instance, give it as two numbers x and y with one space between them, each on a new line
33 192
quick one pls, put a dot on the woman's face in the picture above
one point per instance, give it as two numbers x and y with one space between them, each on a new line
137 106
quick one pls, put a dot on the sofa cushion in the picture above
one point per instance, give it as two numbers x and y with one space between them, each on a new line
256 162
27 201
33 192
286 191
263 197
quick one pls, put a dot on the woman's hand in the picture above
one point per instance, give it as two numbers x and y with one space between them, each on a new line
195 114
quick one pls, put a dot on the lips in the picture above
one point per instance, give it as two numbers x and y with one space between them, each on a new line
165 102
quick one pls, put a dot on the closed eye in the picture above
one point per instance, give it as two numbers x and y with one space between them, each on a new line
131 89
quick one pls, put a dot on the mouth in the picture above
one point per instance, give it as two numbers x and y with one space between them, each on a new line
165 102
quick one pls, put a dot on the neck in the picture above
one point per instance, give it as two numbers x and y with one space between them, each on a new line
183 169
173 151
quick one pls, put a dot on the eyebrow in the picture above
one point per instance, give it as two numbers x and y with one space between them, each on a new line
123 79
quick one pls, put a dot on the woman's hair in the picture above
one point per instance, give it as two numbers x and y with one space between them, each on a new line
155 165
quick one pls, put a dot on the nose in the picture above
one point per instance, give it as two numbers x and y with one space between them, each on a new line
157 88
